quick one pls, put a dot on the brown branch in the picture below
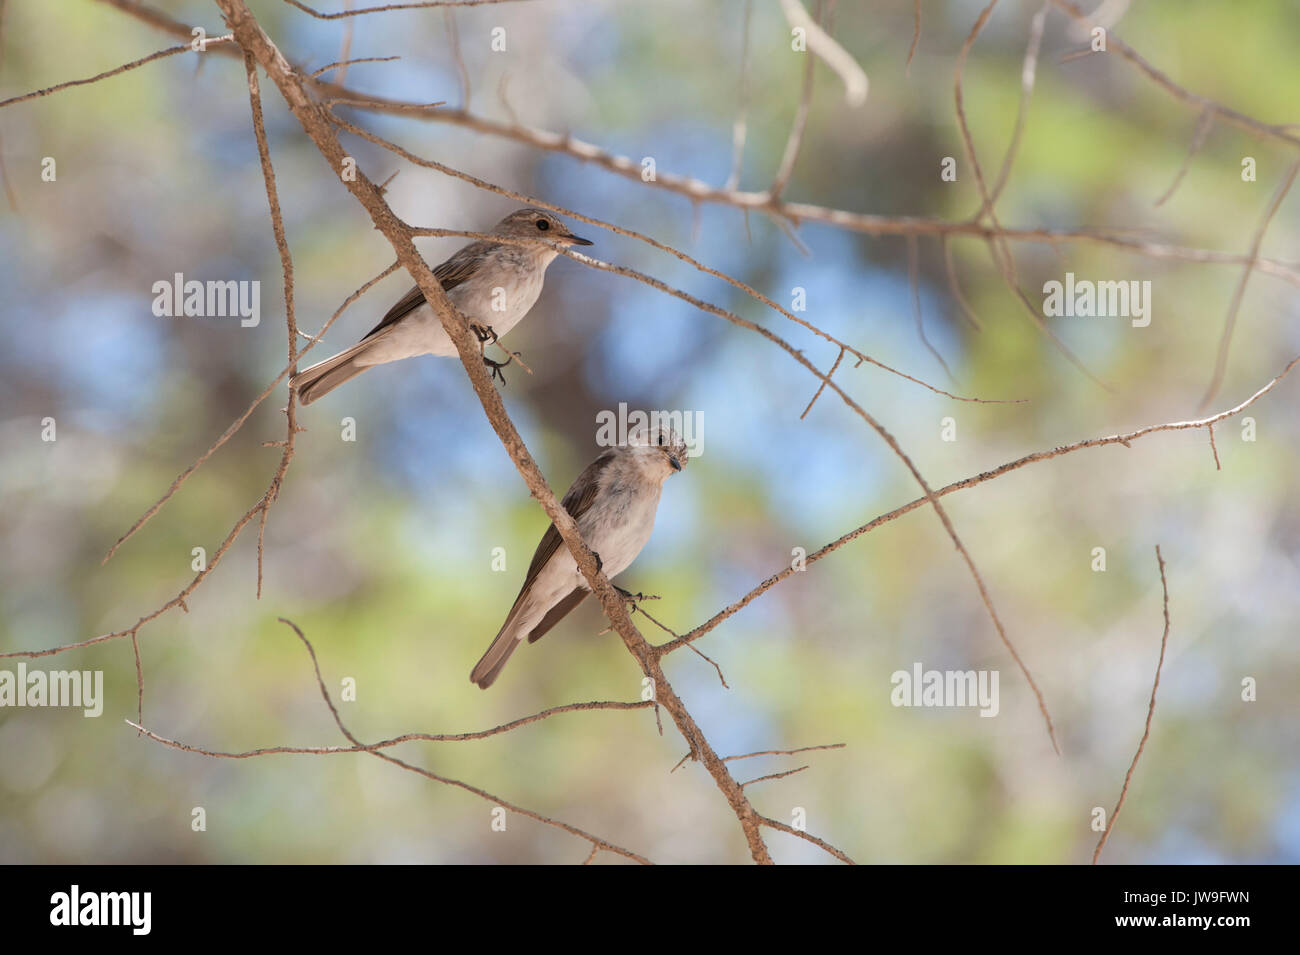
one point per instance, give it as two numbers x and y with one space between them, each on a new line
998 246
913 279
1225 113
315 122
641 237
835 57
807 837
875 426
453 40
496 800
1151 709
760 779
822 387
396 740
389 7
740 126
955 287
134 64
1203 126
239 422
916 33
1225 340
1028 72
361 59
700 191
358 746
1121 439
784 752
794 141
139 677
286 267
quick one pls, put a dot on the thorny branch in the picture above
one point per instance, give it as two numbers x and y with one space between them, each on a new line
253 46
314 120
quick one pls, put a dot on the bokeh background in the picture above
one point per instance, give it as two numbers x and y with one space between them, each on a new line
381 549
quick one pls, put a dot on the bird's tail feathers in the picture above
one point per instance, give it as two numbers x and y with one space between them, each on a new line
322 378
512 634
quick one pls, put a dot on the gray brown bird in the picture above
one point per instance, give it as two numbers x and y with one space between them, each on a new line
613 501
494 284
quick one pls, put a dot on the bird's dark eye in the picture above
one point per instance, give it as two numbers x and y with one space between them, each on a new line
543 225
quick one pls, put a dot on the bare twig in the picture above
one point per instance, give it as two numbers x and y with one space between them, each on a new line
1232 116
807 837
822 387
740 126
286 267
654 243
1225 340
913 278
782 775
125 67
453 40
916 32
316 124
239 422
830 52
794 142
360 59
398 740
1121 439
1203 126
389 7
1151 709
1028 71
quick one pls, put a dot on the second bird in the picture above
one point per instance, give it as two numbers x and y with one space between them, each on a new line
613 502
480 276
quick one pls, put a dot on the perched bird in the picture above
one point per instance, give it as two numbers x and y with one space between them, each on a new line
613 501
493 283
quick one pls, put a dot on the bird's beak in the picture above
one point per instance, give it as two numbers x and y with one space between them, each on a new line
577 240
672 459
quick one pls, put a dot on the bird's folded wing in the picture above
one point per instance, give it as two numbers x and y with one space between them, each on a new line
577 501
449 274
557 613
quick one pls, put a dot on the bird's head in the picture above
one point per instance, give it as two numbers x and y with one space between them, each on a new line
660 448
530 223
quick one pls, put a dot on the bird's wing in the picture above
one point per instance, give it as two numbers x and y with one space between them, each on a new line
557 613
577 501
449 274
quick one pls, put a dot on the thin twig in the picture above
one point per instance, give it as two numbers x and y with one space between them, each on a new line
654 243
822 387
1151 709
916 33
784 752
913 278
134 64
1203 126
1121 439
389 7
788 772
1225 340
794 141
740 126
